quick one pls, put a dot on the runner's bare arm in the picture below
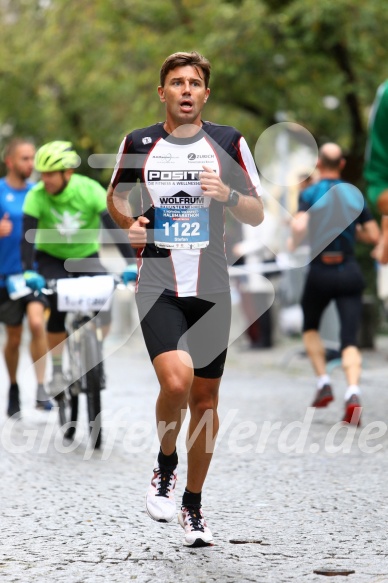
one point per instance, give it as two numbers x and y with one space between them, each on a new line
380 252
249 209
299 226
119 208
368 232
120 211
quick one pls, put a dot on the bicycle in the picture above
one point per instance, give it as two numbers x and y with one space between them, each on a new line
81 298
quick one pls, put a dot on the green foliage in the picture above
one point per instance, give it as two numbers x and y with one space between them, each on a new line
88 71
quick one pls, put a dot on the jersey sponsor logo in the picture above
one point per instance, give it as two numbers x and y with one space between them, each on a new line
181 198
193 156
171 175
147 140
166 159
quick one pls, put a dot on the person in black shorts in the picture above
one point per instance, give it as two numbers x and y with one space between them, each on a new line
16 298
333 214
190 172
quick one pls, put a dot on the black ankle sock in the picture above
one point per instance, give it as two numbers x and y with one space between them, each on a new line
168 461
191 498
14 387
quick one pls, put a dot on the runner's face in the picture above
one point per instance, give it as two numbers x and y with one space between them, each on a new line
184 94
55 182
21 162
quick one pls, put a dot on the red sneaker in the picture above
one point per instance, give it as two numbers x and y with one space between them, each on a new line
353 411
323 397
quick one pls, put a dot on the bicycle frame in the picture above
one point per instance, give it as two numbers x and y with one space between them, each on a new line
84 347
77 325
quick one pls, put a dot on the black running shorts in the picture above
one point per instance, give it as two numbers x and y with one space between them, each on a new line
12 311
344 285
197 325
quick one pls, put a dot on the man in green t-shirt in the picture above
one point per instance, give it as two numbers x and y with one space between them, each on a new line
376 167
64 210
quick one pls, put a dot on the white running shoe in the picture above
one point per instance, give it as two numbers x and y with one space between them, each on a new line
197 533
160 497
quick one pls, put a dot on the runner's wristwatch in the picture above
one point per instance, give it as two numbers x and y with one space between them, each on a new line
233 198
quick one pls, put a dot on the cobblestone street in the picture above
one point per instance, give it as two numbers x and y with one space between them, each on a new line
289 490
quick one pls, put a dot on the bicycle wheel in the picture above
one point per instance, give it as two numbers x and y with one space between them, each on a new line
74 373
91 358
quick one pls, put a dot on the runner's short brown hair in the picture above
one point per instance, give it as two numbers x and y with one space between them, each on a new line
192 59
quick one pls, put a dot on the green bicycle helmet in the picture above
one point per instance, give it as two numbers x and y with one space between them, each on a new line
56 156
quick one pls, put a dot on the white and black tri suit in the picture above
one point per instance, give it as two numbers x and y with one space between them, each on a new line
185 253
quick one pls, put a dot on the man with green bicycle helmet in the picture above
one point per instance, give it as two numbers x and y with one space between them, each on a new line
56 156
65 210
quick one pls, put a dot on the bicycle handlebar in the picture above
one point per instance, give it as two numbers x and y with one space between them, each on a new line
80 294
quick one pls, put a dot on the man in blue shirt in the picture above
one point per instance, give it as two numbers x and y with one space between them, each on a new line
19 159
332 214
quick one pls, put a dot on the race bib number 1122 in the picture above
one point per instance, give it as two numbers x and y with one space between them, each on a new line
186 228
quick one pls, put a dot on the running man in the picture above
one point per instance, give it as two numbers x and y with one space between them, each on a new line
190 171
334 274
19 159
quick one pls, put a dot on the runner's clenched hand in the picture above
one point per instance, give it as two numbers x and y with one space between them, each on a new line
212 185
137 233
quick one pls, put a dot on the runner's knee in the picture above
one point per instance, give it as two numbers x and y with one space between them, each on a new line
37 326
351 356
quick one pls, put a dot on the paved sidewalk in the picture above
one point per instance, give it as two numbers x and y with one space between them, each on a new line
289 491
